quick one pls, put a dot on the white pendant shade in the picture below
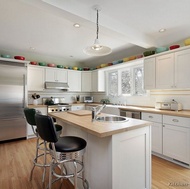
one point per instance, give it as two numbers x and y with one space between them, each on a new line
97 49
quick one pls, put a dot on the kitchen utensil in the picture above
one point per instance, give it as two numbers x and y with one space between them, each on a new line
19 57
148 53
174 47
187 42
161 49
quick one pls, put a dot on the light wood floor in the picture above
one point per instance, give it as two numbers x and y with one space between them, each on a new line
16 163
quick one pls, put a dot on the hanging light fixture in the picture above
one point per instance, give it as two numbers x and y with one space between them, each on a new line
97 49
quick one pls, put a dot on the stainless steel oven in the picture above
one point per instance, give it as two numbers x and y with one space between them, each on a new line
131 114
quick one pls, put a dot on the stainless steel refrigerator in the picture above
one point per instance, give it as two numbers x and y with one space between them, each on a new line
12 100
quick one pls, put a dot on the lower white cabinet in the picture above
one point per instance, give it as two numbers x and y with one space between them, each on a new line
156 130
170 137
176 138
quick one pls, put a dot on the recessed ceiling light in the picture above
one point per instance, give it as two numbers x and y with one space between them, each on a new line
32 48
76 25
162 30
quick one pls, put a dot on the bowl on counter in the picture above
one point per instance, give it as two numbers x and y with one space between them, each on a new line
187 42
161 49
174 47
19 57
148 53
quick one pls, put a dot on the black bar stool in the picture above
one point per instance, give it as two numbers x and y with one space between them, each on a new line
63 150
40 146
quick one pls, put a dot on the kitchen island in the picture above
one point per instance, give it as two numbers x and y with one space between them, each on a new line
118 154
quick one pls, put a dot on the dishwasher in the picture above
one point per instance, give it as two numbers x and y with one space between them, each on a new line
131 114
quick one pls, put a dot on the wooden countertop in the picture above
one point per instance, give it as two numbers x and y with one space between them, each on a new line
100 129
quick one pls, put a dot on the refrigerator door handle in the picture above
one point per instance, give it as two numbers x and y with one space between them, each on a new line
24 90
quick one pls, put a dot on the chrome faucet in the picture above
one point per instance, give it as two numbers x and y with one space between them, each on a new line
96 110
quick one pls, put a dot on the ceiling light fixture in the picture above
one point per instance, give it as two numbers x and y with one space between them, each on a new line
162 30
97 49
76 25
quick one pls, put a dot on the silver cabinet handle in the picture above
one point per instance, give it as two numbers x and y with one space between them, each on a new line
150 117
175 120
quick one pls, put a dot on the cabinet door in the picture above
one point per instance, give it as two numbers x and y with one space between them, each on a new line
176 143
86 81
150 73
112 83
165 71
98 81
126 82
74 80
50 75
61 76
182 69
35 78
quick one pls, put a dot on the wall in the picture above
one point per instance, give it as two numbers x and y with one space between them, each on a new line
153 96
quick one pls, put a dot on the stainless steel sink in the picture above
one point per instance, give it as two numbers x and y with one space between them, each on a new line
111 119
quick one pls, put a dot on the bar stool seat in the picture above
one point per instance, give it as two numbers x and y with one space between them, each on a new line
63 150
41 147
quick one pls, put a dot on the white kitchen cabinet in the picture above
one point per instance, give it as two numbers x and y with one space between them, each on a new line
182 69
156 130
78 107
176 138
168 71
74 80
36 77
98 81
150 73
165 71
55 75
86 81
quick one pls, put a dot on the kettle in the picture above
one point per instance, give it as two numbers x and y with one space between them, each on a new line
49 101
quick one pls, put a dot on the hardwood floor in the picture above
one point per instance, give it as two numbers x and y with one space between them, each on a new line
16 163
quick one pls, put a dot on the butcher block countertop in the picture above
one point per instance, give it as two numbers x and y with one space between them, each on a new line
98 128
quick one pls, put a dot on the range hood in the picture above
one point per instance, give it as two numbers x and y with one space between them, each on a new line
56 85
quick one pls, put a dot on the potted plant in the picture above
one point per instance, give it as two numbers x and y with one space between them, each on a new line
35 98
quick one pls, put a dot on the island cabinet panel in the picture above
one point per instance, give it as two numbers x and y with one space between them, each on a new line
119 161
131 159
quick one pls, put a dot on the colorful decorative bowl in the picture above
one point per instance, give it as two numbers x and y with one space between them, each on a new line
42 63
51 65
148 53
75 68
19 57
139 56
6 56
59 66
174 47
132 57
187 42
86 68
161 49
126 59
33 63
80 69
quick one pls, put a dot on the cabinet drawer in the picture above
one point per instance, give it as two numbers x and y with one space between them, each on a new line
152 117
175 120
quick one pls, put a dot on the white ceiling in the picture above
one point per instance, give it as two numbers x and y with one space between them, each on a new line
127 26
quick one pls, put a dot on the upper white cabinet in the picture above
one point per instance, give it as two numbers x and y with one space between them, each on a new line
182 69
86 81
98 81
36 77
74 80
55 75
168 71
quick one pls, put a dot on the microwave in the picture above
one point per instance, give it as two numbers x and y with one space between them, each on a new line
88 99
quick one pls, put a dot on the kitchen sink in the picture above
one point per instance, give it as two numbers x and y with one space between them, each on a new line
111 119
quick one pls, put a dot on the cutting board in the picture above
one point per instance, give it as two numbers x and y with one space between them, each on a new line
80 112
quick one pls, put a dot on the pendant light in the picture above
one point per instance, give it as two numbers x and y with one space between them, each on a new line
97 49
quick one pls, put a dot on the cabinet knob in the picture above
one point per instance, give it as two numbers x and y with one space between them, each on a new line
175 120
150 117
